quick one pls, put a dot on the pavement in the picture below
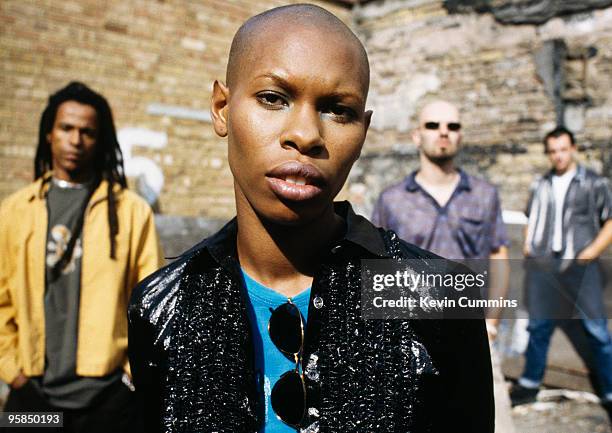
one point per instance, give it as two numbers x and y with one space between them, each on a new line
562 416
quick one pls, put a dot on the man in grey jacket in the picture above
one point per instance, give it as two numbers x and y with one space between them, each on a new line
569 227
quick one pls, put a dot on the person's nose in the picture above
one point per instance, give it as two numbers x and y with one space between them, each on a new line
443 129
75 137
302 130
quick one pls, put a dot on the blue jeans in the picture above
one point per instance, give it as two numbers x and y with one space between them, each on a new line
582 286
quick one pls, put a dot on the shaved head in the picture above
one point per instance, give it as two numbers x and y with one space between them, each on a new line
439 110
284 20
438 135
295 96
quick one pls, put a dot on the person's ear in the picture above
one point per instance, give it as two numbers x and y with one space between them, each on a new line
368 119
416 137
219 108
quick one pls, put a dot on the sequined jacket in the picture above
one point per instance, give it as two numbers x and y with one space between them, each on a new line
192 357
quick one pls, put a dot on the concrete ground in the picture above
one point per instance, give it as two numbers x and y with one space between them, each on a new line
565 371
569 416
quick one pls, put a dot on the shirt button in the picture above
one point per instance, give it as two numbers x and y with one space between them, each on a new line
317 302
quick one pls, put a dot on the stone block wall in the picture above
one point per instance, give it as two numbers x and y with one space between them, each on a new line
496 73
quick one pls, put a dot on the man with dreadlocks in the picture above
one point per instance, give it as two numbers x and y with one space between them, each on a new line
73 245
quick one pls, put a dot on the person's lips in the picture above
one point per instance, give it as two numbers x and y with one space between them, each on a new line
73 156
295 181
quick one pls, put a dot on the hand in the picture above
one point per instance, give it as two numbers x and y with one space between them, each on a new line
491 328
526 250
587 255
19 381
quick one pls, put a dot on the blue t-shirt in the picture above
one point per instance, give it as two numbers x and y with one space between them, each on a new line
270 363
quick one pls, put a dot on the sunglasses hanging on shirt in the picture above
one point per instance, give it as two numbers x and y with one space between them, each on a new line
288 397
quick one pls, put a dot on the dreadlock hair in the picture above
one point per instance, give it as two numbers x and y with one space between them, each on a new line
108 162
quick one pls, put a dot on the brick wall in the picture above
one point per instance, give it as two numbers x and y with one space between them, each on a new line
155 61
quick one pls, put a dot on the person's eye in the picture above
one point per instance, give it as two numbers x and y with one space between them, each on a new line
341 113
90 133
272 99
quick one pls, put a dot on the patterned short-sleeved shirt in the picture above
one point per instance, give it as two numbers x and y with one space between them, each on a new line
469 226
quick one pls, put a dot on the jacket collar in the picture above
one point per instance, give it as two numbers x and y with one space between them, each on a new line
40 188
359 231
359 236
412 185
580 175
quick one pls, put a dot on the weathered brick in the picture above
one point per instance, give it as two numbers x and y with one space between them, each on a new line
141 52
488 70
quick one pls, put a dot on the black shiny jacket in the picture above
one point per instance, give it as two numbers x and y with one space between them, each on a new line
192 357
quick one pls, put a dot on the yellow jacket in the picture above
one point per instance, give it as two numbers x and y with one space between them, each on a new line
105 284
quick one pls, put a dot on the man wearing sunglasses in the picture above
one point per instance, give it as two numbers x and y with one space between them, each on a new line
443 209
440 207
259 328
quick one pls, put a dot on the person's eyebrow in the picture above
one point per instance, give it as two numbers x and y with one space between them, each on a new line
345 96
278 80
334 96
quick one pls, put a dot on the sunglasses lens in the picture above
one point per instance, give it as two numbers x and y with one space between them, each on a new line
452 126
285 328
288 398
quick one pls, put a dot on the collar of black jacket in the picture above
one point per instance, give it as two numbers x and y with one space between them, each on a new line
359 236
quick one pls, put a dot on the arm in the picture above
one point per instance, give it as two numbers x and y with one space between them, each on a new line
151 314
599 244
532 192
147 253
499 267
145 375
603 203
9 366
378 218
499 279
468 398
459 397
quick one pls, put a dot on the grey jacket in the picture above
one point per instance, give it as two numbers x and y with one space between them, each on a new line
587 206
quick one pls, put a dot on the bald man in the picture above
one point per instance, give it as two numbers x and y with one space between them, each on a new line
445 210
259 328
440 207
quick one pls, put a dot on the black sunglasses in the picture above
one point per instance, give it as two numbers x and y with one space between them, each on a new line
288 397
452 126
